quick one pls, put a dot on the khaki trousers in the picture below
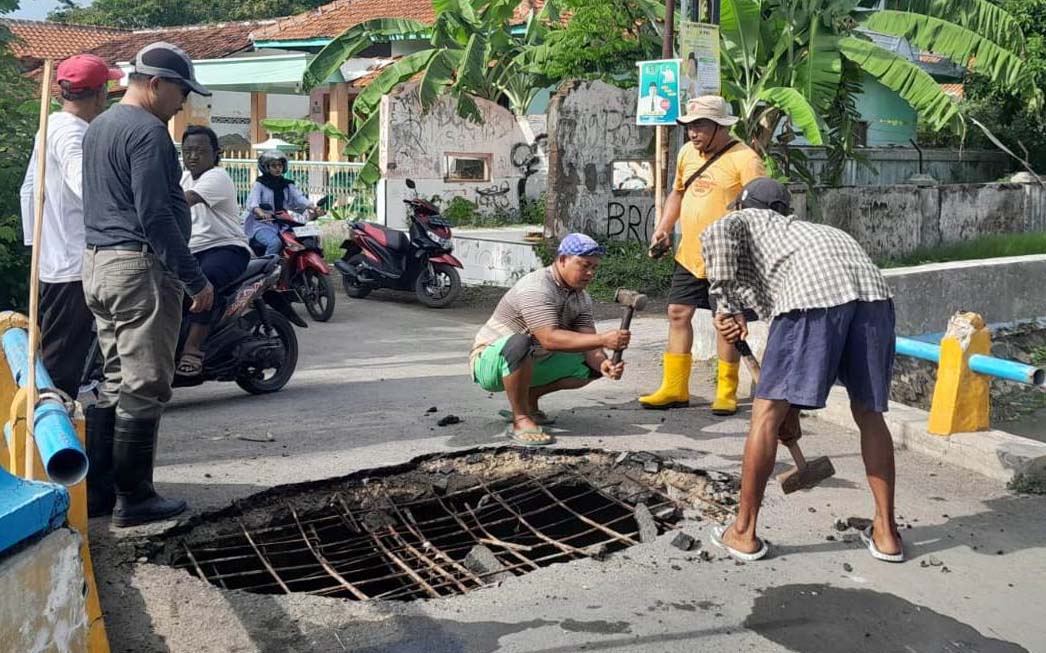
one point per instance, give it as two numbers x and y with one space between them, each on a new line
137 307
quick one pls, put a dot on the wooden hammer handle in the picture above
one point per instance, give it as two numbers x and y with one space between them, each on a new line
626 321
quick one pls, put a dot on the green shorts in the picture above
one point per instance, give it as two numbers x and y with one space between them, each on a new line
491 368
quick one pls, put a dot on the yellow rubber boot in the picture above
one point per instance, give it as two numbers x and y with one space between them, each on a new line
726 389
675 384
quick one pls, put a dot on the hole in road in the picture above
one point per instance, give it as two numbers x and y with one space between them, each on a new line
442 525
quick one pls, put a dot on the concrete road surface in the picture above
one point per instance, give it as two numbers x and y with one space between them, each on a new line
975 579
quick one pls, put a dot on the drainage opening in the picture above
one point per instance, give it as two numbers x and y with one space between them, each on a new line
442 525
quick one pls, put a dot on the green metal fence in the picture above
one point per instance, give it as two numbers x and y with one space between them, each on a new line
315 179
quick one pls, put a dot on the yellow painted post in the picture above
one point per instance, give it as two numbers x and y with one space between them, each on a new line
259 111
97 639
338 115
10 458
16 419
961 396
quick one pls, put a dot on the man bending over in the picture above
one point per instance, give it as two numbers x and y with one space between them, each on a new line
833 319
542 338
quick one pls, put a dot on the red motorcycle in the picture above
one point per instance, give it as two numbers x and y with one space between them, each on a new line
306 275
378 257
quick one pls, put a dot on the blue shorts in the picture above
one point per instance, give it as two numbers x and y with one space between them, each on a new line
808 351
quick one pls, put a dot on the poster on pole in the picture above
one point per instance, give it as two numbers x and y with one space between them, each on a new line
658 92
699 49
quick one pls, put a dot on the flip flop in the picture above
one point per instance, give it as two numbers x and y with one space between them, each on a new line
540 418
190 365
717 539
517 437
866 537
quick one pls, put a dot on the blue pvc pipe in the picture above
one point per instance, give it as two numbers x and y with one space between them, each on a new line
16 349
61 453
918 349
1009 370
988 365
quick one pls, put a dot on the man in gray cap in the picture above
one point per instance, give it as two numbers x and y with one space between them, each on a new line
832 319
136 268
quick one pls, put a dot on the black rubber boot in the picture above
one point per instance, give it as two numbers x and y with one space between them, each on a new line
101 494
134 447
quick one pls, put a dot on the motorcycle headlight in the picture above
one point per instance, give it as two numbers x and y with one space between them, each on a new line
445 243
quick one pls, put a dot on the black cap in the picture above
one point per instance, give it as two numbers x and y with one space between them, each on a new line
162 59
764 193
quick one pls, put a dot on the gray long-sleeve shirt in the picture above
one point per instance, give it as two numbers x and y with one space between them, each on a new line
132 190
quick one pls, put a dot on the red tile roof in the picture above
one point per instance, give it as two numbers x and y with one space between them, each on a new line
199 41
40 40
334 18
955 90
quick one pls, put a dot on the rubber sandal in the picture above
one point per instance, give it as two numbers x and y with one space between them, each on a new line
540 417
866 537
517 437
190 365
717 539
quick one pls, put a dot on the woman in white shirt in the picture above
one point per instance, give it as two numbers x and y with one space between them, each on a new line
217 239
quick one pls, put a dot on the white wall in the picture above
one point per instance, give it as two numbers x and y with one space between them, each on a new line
231 111
415 144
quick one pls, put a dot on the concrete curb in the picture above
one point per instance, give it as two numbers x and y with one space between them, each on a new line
995 454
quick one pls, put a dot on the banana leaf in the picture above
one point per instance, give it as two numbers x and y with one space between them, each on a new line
952 40
791 102
353 41
392 76
979 16
909 81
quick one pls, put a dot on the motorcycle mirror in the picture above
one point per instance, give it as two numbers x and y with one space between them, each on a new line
411 185
265 206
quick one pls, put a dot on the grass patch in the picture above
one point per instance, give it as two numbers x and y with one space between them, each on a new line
626 265
980 248
1027 484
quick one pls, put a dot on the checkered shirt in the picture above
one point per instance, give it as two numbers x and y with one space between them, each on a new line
775 264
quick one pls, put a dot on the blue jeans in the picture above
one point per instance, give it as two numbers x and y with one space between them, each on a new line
269 239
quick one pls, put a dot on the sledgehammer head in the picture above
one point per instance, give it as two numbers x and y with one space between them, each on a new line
815 471
630 298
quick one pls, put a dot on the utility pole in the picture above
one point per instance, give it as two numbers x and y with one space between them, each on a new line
661 131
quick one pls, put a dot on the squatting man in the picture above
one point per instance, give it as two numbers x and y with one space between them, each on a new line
542 338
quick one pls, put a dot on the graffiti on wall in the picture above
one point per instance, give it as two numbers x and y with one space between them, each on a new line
599 163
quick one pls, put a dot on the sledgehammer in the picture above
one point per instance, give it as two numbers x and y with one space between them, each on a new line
632 301
804 474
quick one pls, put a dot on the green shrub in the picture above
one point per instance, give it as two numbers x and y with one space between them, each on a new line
626 265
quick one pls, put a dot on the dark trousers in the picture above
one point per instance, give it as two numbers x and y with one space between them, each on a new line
221 266
66 333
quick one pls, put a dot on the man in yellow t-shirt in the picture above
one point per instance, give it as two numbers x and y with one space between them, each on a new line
699 203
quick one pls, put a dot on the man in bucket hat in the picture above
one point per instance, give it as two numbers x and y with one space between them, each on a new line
542 338
710 171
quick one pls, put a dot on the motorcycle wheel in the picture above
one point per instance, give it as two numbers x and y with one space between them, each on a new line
260 381
352 287
439 289
317 293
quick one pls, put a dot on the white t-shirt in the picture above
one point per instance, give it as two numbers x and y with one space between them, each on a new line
216 222
61 257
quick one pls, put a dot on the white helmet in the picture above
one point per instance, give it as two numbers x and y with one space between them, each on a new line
269 156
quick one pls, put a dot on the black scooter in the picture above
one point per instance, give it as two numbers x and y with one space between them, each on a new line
251 340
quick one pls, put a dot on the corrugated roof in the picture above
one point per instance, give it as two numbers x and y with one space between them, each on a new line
957 91
332 19
40 40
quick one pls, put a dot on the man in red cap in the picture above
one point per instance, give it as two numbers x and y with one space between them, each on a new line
65 320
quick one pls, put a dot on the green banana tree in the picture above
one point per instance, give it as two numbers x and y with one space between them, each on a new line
473 53
799 60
